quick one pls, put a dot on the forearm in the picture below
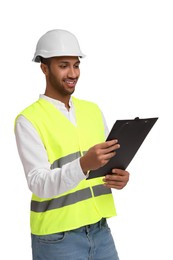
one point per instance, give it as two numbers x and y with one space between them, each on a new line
46 183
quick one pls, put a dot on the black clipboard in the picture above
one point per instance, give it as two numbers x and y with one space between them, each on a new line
130 134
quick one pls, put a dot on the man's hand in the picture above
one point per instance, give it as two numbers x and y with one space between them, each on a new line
117 180
98 155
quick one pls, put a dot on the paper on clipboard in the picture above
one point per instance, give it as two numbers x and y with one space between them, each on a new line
130 134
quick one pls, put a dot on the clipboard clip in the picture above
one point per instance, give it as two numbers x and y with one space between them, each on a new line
136 118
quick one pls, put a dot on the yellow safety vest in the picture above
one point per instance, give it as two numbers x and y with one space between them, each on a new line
90 200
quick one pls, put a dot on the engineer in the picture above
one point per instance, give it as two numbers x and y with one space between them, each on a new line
60 138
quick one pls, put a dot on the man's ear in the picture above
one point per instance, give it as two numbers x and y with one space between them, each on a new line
44 68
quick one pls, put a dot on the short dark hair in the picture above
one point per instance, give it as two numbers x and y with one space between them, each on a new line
45 61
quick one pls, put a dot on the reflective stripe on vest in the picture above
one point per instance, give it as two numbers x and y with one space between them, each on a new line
66 159
68 199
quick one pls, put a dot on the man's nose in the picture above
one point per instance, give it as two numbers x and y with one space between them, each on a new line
72 73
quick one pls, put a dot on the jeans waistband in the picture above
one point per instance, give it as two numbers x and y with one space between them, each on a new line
98 224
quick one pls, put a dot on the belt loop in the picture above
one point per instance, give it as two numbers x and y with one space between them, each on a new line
87 229
102 222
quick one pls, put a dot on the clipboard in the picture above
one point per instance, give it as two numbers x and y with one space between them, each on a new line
130 134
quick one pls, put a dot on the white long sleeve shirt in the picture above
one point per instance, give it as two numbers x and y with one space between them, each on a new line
43 181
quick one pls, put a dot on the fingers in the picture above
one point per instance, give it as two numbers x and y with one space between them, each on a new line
110 145
117 180
98 155
105 151
120 172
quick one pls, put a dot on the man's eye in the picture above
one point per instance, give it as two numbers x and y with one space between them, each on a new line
63 66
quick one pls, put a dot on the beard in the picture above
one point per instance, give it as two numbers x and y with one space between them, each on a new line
60 86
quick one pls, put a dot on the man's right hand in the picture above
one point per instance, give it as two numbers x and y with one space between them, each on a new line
98 155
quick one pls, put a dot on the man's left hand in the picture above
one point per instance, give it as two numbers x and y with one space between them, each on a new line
117 180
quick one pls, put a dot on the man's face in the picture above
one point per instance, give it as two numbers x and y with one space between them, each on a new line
63 74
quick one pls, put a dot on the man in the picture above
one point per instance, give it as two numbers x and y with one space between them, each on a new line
60 139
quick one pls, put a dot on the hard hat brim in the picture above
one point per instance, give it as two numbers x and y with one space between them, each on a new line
37 56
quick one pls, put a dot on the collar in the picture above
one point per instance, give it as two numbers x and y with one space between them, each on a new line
56 102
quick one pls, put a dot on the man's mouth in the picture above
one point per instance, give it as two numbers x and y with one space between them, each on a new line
71 82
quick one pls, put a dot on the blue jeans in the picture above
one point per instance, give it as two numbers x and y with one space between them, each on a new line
92 242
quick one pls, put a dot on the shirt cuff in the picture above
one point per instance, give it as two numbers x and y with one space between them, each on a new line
81 171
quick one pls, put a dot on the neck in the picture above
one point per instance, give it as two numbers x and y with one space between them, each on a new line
64 99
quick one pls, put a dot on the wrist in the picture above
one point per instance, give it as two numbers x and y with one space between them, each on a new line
83 165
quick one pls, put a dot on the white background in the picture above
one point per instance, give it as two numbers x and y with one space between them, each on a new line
128 72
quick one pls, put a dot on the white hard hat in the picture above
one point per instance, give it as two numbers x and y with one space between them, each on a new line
56 43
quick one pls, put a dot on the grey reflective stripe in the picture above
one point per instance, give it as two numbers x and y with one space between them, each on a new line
69 199
101 190
61 201
66 159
